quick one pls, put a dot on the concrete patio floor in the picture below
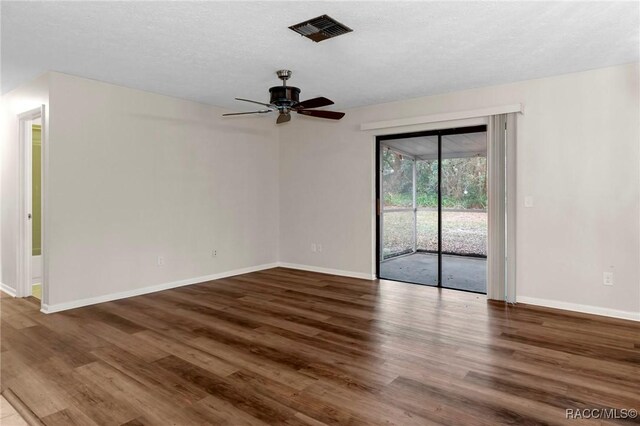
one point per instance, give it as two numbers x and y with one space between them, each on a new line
458 272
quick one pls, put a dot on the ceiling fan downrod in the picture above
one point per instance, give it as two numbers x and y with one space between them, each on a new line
284 75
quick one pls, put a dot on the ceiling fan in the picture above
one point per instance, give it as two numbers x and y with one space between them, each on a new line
285 99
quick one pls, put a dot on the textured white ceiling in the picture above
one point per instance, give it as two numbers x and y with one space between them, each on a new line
213 51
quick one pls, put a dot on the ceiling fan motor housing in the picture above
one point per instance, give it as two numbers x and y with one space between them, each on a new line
284 96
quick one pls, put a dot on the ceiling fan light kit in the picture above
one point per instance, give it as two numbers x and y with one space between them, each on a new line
285 99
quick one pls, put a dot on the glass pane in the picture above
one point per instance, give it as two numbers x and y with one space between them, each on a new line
397 180
398 229
464 211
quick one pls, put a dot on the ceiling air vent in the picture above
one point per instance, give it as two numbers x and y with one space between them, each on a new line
320 28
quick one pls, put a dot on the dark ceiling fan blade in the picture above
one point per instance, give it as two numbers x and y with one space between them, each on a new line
255 102
283 118
314 103
332 115
262 111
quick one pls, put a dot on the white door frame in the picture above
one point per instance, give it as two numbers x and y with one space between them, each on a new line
25 214
444 121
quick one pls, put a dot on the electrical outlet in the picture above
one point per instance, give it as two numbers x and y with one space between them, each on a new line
607 278
319 247
160 261
214 253
313 247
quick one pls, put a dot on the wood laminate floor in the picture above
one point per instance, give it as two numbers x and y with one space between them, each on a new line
289 347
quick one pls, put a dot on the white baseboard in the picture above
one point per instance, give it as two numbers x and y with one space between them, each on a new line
11 292
339 272
48 309
586 309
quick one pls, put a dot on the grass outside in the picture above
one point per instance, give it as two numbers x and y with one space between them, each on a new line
463 232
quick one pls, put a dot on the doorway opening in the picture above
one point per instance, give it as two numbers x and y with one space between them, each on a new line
31 271
433 222
36 208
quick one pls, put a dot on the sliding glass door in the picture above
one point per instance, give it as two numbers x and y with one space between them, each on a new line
432 221
409 220
464 221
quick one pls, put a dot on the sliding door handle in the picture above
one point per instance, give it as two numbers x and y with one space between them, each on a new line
29 216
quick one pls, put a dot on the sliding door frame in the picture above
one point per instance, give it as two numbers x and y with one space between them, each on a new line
379 176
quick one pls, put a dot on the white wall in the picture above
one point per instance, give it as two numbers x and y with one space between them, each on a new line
578 155
27 97
135 175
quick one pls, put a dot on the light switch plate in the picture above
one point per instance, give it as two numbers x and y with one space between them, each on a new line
528 201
